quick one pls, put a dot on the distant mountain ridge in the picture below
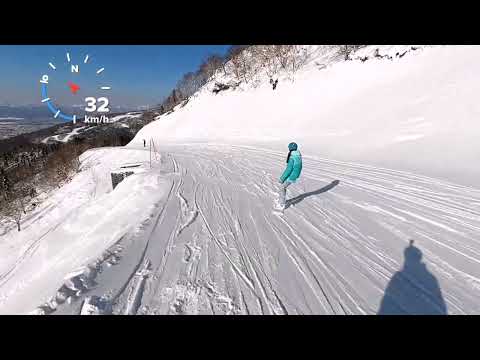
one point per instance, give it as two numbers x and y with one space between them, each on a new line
41 111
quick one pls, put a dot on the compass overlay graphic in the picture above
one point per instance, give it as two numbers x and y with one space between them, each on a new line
92 103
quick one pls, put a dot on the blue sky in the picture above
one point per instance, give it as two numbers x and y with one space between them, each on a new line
138 75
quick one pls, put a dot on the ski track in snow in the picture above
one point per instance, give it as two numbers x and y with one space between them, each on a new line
198 234
216 247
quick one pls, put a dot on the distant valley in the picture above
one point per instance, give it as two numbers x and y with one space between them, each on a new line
18 120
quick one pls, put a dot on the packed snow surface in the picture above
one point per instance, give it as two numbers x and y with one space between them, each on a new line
384 219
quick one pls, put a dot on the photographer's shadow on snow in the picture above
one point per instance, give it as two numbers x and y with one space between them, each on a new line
297 199
413 290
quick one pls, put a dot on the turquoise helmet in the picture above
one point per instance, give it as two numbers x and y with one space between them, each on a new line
292 146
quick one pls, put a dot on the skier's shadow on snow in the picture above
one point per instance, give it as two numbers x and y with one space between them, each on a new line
297 199
413 290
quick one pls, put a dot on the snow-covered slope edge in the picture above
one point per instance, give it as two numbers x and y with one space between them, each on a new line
416 113
74 226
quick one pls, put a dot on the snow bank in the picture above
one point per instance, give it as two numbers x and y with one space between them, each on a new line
74 226
417 113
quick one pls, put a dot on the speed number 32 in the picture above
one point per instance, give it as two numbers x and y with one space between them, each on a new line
92 104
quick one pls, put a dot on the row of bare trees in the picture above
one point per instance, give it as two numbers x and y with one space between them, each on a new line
15 198
243 63
192 81
346 50
24 180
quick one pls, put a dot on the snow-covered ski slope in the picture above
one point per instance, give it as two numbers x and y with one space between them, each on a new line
388 156
213 245
418 113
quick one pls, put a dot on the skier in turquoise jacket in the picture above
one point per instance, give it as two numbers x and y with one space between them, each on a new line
292 172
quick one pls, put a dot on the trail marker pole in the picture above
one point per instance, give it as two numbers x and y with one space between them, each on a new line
154 149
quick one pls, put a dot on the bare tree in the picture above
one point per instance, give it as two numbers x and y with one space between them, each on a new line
188 84
61 164
224 63
282 53
5 183
346 50
12 209
303 55
265 55
13 206
210 65
236 55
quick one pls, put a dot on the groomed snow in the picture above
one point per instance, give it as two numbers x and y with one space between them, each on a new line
214 245
196 234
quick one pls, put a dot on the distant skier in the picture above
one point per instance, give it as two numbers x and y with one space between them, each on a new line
273 83
291 173
144 143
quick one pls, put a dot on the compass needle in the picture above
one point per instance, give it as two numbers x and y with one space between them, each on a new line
73 87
